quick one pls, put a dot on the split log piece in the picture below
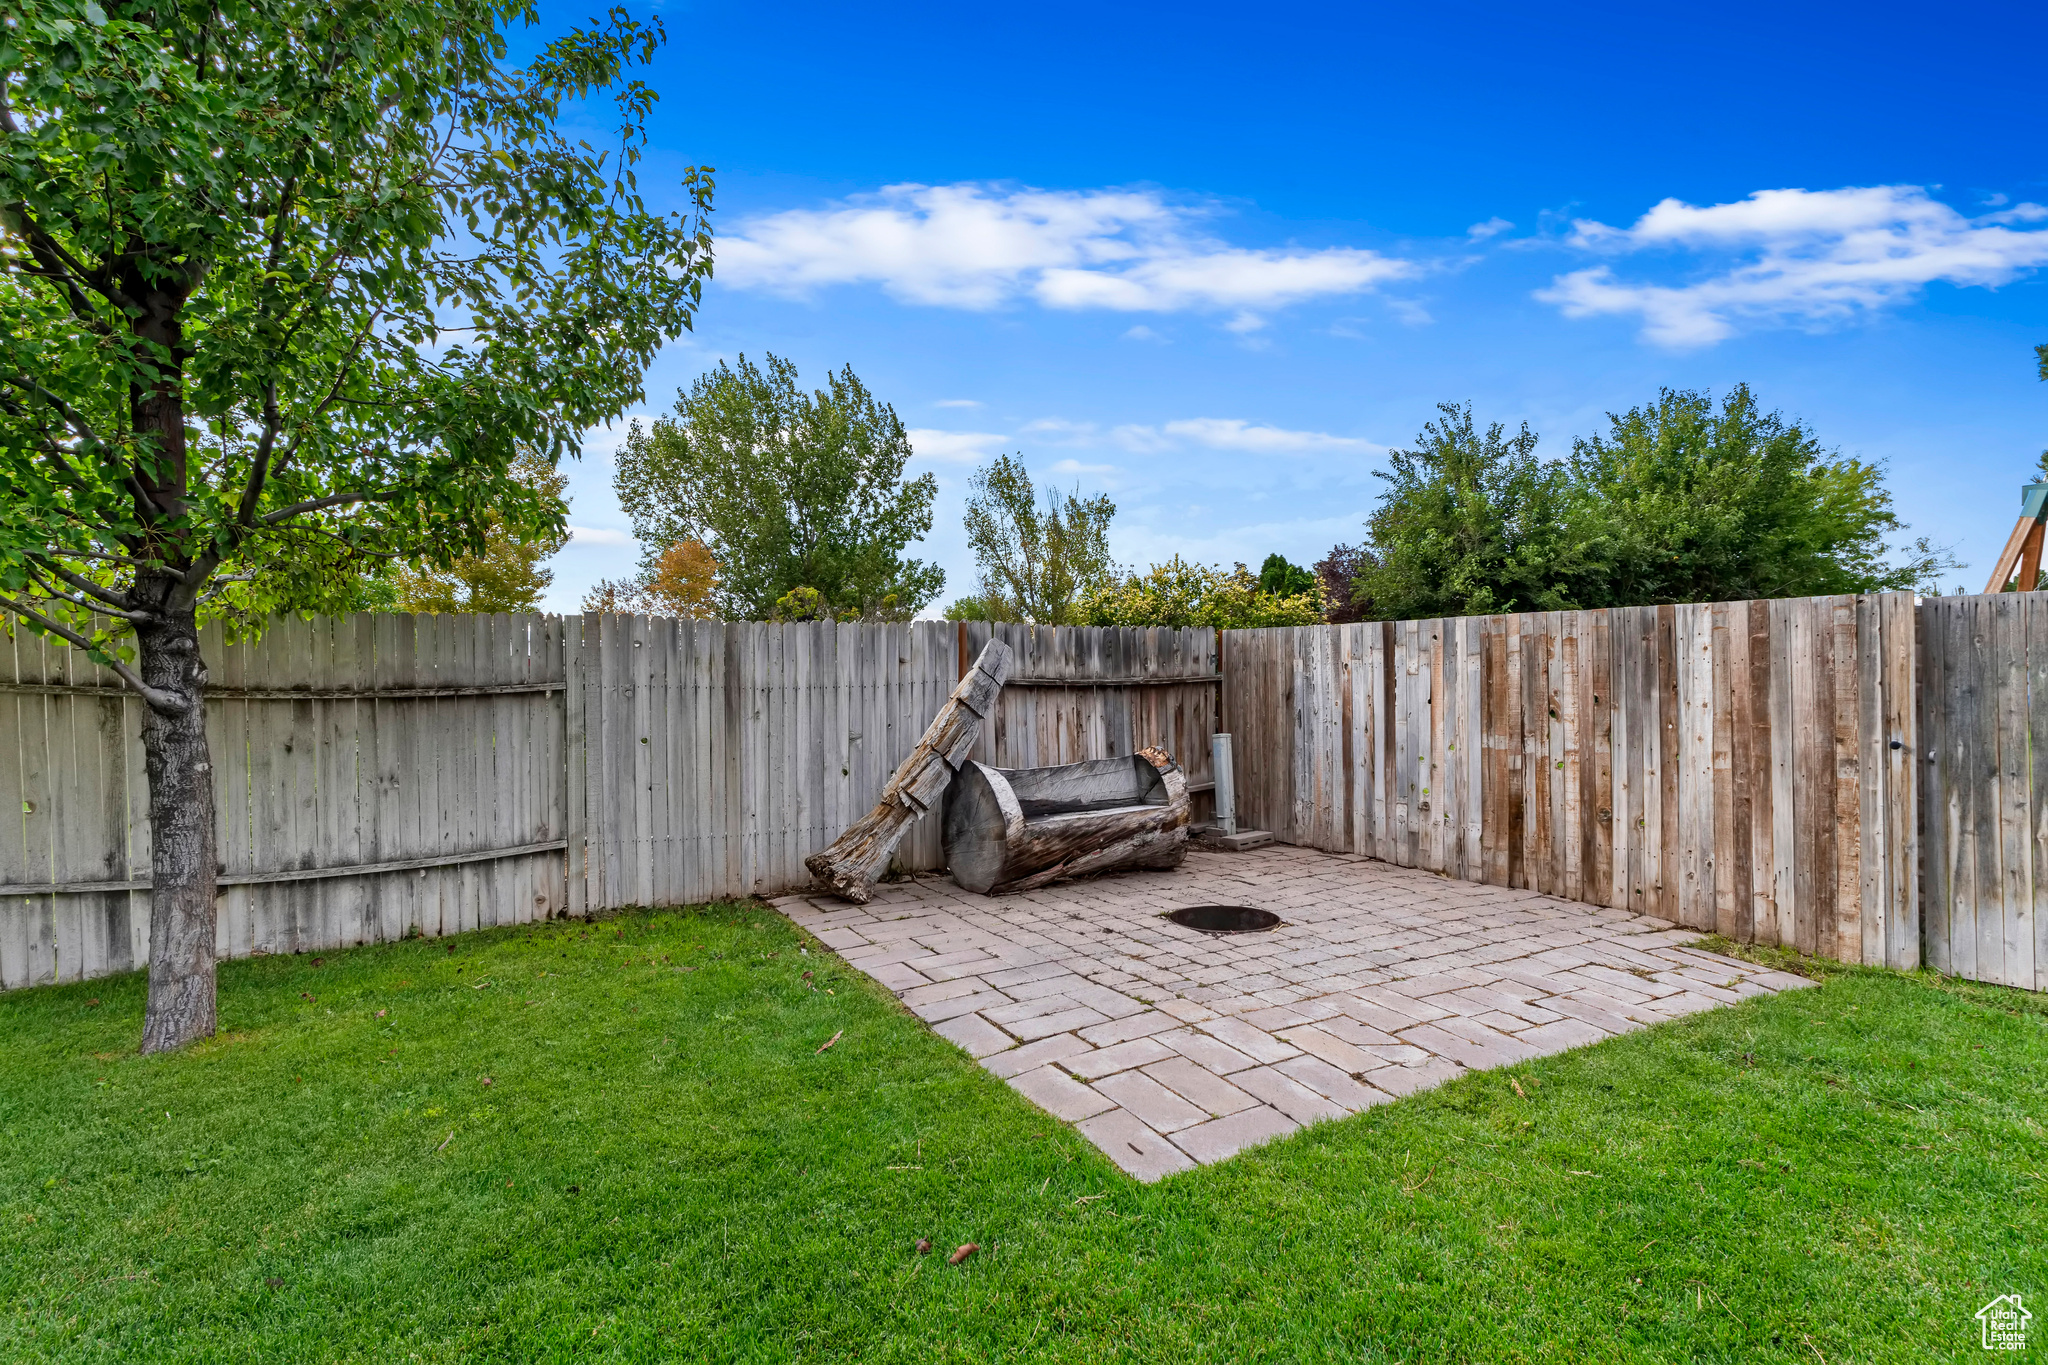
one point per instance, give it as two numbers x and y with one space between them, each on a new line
1018 829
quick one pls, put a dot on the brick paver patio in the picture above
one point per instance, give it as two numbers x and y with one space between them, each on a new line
1168 1047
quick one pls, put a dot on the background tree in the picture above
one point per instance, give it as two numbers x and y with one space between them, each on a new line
285 284
787 490
1181 594
1340 573
1471 522
1679 502
1034 560
1684 502
1283 579
508 574
682 583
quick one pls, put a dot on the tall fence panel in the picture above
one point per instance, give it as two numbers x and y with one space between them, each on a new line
714 758
372 774
1082 692
1984 824
1742 767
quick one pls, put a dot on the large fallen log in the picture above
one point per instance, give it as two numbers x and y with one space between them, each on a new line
849 866
1015 829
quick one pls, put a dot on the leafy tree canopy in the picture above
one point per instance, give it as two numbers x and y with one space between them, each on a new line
1282 579
286 287
1685 502
290 284
786 490
1680 501
1471 523
1178 593
510 573
1340 572
1034 560
682 583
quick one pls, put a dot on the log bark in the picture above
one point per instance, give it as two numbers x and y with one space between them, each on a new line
849 865
183 858
1019 831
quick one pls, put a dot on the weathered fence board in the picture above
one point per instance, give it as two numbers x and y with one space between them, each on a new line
1983 756
1727 766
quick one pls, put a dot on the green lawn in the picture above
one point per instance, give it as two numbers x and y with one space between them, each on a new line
663 1166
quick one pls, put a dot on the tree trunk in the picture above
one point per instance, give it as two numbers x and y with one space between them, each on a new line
183 863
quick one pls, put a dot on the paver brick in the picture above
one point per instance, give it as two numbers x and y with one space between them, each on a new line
1406 1080
1059 1094
1220 1139
1045 1025
1160 1108
1129 1027
974 1033
1288 1095
1340 1054
1018 1059
1125 1140
1122 1057
1565 1033
938 1011
1255 1043
1212 1054
1333 1084
1477 1054
1199 1086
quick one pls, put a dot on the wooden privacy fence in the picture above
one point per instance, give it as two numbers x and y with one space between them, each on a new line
377 773
1743 767
1808 772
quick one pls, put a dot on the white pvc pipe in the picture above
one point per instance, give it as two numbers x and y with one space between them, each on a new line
1226 784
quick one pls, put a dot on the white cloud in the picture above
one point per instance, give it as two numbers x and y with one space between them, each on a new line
957 403
1143 333
605 443
1216 433
1492 227
1801 257
1059 429
1410 312
598 535
956 447
983 246
1230 433
1071 466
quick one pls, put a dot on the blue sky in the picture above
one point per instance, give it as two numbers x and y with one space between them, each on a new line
1214 261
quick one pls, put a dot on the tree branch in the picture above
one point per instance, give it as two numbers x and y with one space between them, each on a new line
169 703
313 505
52 257
259 466
122 606
83 429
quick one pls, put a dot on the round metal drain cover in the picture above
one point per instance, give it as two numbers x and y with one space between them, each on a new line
1224 919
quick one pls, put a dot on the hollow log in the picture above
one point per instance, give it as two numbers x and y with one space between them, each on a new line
849 865
1018 829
